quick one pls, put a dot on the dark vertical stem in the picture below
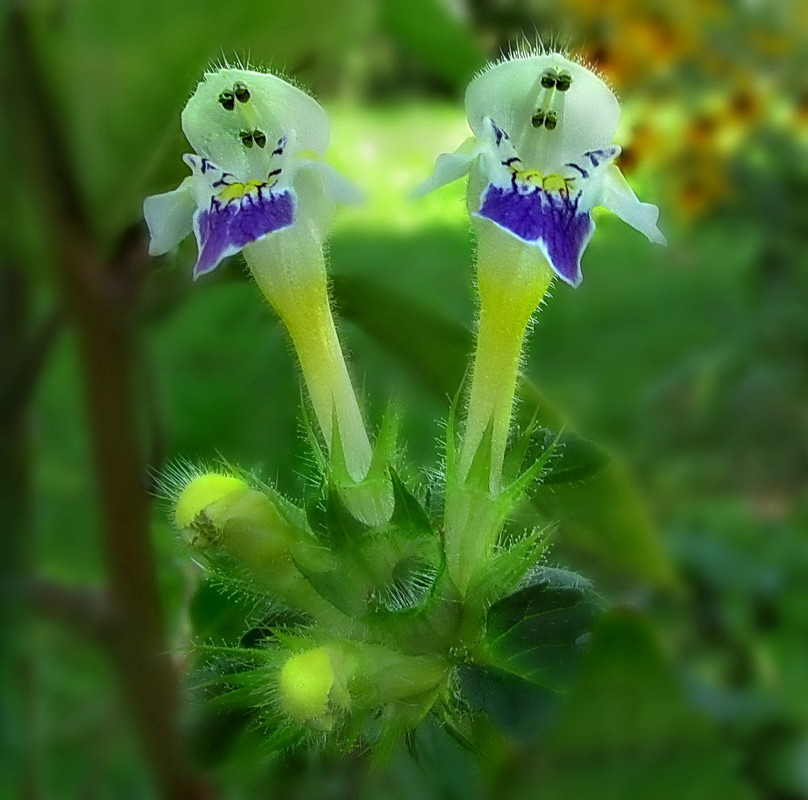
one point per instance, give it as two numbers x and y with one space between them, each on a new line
100 312
15 542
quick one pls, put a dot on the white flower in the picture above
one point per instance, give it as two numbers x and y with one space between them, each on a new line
258 168
540 158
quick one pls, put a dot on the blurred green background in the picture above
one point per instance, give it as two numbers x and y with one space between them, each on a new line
689 364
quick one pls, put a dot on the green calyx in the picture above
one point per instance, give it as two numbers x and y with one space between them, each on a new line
375 621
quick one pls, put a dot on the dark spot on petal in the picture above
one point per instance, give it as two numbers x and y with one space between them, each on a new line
548 80
241 92
228 100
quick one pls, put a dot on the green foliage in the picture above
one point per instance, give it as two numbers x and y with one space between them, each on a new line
540 631
386 618
593 501
446 49
626 732
692 368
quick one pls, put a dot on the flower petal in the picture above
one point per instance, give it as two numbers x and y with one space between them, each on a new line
236 213
511 92
549 220
169 217
271 106
620 199
552 211
450 167
334 182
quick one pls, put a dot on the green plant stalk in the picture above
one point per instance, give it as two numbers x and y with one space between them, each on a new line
512 280
474 520
289 268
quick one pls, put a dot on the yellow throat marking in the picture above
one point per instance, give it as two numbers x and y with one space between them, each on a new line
235 191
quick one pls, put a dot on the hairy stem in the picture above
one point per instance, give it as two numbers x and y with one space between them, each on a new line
290 271
512 279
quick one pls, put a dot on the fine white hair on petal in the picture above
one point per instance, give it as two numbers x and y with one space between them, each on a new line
528 48
169 217
620 199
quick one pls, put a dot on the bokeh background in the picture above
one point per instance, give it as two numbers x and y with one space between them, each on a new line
688 364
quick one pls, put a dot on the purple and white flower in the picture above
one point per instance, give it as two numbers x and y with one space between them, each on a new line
541 157
258 168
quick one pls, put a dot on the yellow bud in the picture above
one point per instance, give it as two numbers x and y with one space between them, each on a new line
203 492
305 686
220 510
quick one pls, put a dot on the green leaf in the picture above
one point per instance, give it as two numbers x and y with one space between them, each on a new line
627 731
606 520
603 518
572 459
518 706
217 614
539 632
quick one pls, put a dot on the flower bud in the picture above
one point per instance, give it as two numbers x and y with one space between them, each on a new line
209 494
223 511
222 515
313 686
305 684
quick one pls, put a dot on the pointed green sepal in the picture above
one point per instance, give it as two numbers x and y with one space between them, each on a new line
451 434
520 447
341 587
344 528
506 568
384 452
479 474
517 489
409 514
317 452
370 499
